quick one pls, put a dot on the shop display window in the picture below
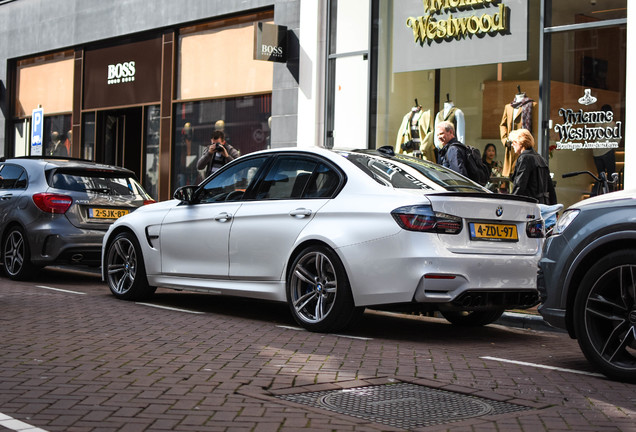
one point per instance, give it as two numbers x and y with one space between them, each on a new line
426 72
244 121
150 180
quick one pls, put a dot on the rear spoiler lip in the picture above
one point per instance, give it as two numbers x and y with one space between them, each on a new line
484 195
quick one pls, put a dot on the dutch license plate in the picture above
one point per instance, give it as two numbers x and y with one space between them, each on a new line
496 232
102 213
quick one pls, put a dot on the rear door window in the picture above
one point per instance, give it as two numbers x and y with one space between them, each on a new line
95 182
13 177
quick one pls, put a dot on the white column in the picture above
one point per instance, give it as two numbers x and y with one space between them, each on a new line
311 91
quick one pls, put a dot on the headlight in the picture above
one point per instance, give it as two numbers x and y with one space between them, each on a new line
565 220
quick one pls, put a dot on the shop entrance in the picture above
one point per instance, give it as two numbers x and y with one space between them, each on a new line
119 138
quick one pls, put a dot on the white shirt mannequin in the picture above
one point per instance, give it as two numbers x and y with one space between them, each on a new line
518 98
460 131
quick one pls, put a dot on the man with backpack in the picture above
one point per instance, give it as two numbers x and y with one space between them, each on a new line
463 159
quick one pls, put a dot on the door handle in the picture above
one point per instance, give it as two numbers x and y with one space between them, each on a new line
6 196
223 217
300 213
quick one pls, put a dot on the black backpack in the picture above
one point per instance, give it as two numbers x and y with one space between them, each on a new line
476 169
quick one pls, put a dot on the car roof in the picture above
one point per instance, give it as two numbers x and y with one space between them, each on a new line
56 162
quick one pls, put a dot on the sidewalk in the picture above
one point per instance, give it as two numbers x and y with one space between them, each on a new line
527 318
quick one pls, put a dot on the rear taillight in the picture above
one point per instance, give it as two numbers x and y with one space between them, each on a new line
422 218
52 203
149 201
535 229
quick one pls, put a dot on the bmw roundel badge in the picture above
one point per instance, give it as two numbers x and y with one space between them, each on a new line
499 211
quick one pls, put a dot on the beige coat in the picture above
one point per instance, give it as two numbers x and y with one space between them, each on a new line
424 125
510 122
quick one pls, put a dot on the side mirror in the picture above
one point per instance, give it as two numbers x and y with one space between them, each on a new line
185 193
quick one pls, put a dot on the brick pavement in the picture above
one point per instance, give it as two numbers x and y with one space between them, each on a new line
93 363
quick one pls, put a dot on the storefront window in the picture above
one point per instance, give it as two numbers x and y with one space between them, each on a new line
44 82
58 137
88 136
466 64
244 121
150 180
565 12
587 70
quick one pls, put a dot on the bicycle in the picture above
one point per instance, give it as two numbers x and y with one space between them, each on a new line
601 179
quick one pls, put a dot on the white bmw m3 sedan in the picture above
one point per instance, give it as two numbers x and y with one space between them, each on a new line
331 232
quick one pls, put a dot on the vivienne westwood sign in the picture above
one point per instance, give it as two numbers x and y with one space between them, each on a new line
435 34
582 129
428 28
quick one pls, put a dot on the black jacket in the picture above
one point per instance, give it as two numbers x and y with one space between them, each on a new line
531 178
454 157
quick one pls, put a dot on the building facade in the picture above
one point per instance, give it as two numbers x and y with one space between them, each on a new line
144 87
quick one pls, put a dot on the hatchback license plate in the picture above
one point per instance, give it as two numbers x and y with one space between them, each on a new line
495 232
102 213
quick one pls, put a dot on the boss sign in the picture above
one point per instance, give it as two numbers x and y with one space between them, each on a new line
121 72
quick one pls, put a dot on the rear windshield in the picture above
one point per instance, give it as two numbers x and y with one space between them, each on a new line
96 182
406 172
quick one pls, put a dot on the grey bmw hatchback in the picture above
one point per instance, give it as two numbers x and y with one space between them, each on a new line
56 211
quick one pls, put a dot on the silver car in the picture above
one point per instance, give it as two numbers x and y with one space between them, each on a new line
332 232
56 211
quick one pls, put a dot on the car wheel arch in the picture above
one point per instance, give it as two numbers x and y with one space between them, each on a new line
7 229
111 237
315 242
583 262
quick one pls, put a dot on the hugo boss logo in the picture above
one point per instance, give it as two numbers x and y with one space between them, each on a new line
121 72
271 50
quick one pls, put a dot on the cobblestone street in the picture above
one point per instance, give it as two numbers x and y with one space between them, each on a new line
76 359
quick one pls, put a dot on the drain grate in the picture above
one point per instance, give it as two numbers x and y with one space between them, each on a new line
403 405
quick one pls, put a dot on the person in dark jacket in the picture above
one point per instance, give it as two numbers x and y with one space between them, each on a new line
453 153
531 175
219 153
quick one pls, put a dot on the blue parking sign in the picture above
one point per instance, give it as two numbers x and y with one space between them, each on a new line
37 131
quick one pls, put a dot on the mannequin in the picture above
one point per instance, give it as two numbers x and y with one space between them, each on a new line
519 114
415 136
454 115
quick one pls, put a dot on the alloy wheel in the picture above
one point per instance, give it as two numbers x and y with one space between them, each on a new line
314 287
610 317
121 265
14 252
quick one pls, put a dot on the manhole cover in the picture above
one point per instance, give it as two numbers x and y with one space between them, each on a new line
403 405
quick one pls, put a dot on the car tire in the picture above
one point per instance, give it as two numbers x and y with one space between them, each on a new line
472 318
125 270
318 291
605 315
16 255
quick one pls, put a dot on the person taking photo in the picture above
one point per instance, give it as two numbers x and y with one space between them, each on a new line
219 153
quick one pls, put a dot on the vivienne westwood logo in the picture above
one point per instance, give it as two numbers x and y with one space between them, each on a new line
587 98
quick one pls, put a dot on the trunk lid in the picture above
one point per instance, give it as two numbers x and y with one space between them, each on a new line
489 222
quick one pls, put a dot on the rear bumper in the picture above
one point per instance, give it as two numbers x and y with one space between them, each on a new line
64 244
418 268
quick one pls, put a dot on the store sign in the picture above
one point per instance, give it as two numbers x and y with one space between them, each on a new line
112 75
37 131
121 72
435 34
270 42
582 129
427 28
